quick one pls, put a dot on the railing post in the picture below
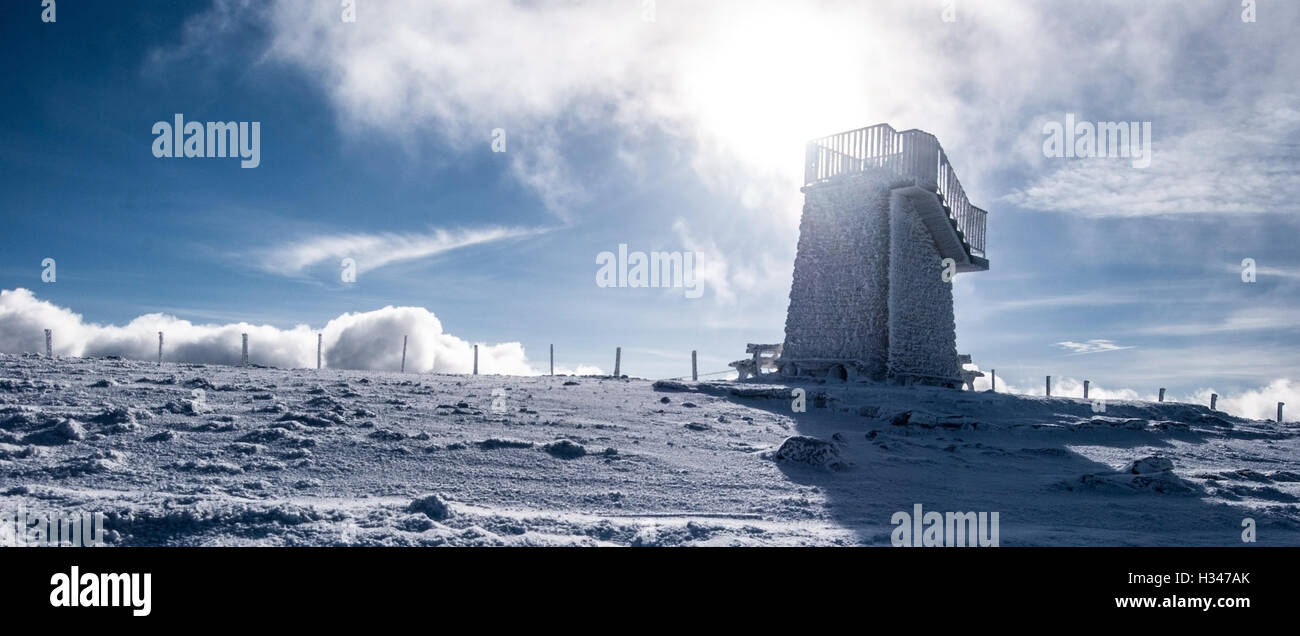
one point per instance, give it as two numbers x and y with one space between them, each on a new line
695 375
403 354
1214 400
811 163
552 359
928 169
49 343
160 340
904 162
1085 389
1049 386
1279 411
618 359
1162 395
994 383
243 355
475 359
320 339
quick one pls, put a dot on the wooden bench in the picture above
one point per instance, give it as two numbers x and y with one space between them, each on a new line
968 376
763 358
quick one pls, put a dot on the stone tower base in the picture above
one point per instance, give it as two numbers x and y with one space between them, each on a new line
867 288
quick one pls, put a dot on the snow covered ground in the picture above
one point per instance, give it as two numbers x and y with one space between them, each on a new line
183 454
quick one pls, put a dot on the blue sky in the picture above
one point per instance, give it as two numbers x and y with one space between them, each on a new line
682 134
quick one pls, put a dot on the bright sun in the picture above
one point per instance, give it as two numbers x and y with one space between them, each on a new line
774 80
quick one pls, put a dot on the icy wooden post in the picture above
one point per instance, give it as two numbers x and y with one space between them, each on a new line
1049 386
475 359
695 375
1162 395
1279 411
993 383
243 357
403 354
618 358
160 348
552 359
1085 389
320 340
1214 399
49 343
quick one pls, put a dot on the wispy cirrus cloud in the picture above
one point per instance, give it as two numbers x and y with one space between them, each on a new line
375 250
1265 270
1108 294
1244 320
1244 163
1091 346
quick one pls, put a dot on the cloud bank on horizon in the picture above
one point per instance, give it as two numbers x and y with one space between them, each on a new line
369 341
1259 403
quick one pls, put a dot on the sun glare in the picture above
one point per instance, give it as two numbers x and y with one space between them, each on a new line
776 79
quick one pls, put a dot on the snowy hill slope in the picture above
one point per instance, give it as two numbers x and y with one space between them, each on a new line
278 457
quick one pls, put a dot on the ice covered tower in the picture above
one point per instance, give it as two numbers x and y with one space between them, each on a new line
883 210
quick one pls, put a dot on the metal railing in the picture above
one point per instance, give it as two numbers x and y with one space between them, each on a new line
911 154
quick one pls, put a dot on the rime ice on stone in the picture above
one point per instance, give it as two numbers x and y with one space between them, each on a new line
882 210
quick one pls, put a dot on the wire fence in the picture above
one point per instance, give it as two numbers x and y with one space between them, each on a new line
694 376
687 377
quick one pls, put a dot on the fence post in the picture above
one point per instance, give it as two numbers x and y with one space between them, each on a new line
1279 412
1049 386
618 359
49 343
403 354
1085 389
1162 395
994 383
695 374
552 359
1214 399
243 357
320 339
475 359
160 340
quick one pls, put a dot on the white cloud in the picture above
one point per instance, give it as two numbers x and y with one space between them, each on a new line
367 340
372 251
1263 271
1065 388
1235 165
744 83
582 369
710 264
1091 346
1260 404
1281 272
